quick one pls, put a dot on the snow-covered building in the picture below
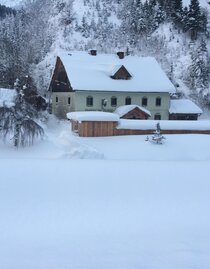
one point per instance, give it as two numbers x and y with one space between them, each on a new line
133 112
83 81
99 123
184 109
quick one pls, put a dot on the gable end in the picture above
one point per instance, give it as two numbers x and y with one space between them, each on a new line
121 73
60 81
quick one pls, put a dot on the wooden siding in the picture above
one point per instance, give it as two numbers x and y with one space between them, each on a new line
150 132
103 128
94 129
122 73
60 81
183 116
136 114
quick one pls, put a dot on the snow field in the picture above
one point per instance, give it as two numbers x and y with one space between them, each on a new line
108 202
104 214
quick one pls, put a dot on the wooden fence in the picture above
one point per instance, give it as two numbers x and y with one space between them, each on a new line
109 128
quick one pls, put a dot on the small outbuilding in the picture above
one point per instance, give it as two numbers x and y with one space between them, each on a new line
183 109
93 123
133 112
97 123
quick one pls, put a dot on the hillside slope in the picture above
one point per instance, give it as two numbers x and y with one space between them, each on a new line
144 28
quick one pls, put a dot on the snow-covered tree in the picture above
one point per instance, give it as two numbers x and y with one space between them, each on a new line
177 13
199 68
196 19
17 121
157 136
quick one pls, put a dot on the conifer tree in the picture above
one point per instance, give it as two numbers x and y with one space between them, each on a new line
17 121
177 13
199 69
194 23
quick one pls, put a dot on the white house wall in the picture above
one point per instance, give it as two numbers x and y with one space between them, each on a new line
136 98
60 105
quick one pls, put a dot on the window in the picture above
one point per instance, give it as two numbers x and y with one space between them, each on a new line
128 100
158 101
56 99
144 101
69 100
157 116
89 101
114 101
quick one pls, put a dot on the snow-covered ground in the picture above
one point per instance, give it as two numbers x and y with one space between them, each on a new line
109 202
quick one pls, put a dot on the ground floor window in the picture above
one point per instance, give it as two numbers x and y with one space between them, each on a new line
157 116
69 100
56 99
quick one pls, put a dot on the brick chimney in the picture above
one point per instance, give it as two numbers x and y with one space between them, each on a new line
93 52
121 54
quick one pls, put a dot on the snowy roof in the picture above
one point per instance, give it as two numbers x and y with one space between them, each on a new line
92 73
92 116
183 106
122 110
7 97
164 125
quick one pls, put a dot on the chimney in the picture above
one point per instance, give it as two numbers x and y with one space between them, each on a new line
93 52
121 54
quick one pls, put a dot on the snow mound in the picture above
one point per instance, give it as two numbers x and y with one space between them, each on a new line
75 150
82 152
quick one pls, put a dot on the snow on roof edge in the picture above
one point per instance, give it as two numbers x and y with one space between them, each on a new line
164 124
182 106
122 110
92 116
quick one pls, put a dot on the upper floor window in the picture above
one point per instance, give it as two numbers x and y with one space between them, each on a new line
158 101
69 100
157 116
128 100
114 101
144 101
89 101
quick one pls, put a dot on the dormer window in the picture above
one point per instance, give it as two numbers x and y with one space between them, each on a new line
120 72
